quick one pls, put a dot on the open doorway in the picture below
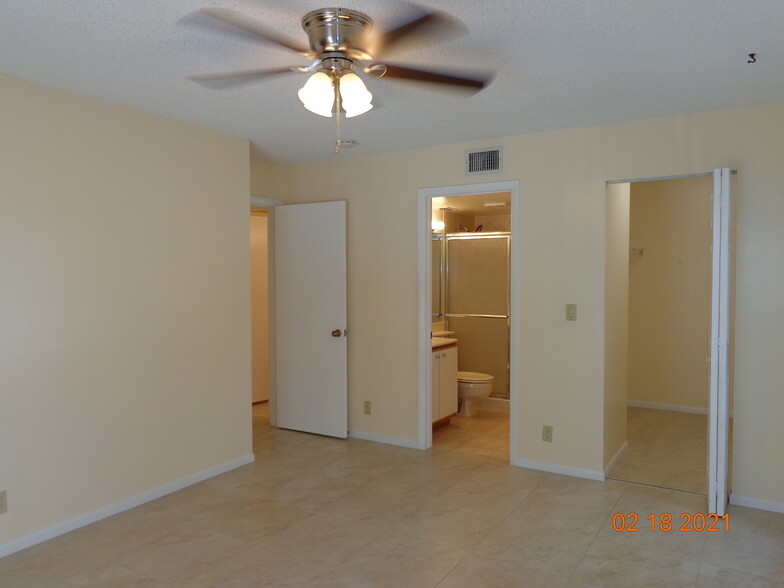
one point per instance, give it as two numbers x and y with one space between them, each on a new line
471 294
259 307
259 288
670 310
467 340
262 325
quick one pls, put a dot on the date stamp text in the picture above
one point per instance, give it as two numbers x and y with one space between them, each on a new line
666 522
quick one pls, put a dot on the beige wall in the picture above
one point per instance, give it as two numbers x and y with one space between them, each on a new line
560 254
494 222
454 220
268 180
259 288
125 337
669 292
616 319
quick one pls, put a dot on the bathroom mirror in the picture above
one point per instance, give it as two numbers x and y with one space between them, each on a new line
436 272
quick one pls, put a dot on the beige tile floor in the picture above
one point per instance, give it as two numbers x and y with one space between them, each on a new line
314 511
486 434
666 449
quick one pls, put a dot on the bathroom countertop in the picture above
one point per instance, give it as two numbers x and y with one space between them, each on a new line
438 342
442 334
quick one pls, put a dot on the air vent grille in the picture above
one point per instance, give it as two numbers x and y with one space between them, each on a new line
483 161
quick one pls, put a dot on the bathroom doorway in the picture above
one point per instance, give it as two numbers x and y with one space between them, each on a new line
466 297
670 286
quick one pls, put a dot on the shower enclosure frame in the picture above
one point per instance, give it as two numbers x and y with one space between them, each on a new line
424 236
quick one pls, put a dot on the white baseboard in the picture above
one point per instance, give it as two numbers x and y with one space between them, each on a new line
558 469
672 407
117 507
616 457
494 403
770 505
383 439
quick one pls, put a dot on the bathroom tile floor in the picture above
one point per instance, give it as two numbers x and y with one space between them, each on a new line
485 434
315 511
666 449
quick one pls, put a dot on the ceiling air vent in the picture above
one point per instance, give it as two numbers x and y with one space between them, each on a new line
483 161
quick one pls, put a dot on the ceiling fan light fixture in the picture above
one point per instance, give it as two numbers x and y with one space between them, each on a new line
354 96
357 109
317 95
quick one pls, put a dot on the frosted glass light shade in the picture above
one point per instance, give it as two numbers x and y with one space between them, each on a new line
317 94
354 96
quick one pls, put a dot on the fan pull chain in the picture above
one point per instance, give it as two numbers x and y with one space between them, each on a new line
337 116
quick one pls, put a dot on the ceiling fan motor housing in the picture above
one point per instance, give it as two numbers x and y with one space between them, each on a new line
338 30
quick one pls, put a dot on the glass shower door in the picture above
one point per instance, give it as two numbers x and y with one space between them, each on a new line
477 303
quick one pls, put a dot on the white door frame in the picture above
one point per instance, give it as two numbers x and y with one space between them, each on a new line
259 203
721 316
425 253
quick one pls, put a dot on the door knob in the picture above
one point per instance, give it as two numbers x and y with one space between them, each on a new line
336 333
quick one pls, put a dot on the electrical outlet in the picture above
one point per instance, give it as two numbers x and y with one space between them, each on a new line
547 433
367 406
3 502
571 312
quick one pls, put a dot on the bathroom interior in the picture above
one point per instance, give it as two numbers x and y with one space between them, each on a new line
471 238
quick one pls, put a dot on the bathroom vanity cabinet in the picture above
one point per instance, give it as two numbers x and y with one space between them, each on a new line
444 384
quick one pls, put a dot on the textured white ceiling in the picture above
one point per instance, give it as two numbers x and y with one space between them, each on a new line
559 64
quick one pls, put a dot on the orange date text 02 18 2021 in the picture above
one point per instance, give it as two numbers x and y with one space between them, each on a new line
665 522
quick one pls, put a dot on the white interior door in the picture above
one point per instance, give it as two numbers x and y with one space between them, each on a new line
718 425
310 318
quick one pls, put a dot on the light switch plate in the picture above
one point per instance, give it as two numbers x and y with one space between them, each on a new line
571 312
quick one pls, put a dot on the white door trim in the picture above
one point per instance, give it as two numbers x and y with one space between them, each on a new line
718 419
424 218
259 203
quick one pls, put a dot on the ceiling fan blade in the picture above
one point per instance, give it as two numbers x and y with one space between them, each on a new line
464 84
237 20
418 27
232 79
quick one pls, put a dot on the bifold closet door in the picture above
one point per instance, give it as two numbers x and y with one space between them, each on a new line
721 324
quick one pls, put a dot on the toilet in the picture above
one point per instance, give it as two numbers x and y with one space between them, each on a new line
471 388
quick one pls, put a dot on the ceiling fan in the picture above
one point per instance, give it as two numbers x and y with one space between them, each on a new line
340 43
